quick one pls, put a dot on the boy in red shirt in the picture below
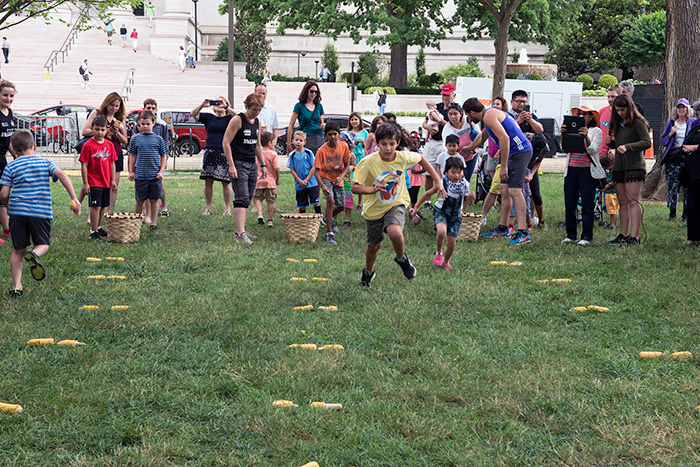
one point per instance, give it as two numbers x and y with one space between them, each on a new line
332 165
97 161
266 187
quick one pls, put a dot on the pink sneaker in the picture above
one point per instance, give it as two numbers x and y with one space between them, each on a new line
447 266
437 261
2 241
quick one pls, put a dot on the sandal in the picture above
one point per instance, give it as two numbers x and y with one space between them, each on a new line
207 212
35 266
227 213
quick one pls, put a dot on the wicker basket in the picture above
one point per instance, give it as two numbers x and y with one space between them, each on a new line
123 227
301 228
471 227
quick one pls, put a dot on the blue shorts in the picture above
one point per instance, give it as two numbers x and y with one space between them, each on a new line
450 214
148 189
307 196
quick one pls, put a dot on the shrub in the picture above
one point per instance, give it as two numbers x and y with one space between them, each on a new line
605 81
435 78
419 90
587 81
420 62
511 76
371 65
254 77
425 81
302 79
371 89
330 58
595 93
222 51
535 77
470 69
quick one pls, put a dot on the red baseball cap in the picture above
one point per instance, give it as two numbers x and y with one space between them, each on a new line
447 88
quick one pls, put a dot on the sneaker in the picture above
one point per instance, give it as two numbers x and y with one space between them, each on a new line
495 233
261 221
610 226
583 242
323 222
520 238
483 220
631 241
347 224
154 228
511 231
102 232
409 271
530 228
693 243
542 225
428 206
330 239
270 223
437 260
35 266
244 237
448 266
95 235
620 239
568 240
367 277
17 293
335 227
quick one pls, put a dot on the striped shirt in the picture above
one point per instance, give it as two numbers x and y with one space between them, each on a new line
29 177
148 148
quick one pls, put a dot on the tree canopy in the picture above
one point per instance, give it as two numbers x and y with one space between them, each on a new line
13 12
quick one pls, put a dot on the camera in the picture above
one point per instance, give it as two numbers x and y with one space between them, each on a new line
526 108
214 102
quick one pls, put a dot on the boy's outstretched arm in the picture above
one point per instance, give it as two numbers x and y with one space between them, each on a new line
359 189
68 185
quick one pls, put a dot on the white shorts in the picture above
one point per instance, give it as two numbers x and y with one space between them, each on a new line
431 150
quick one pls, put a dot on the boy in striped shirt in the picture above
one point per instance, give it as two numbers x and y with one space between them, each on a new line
26 191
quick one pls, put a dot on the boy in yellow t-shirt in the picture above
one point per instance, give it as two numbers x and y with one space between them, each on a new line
382 174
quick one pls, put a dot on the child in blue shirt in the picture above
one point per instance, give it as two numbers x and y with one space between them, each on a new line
26 191
447 212
147 157
301 164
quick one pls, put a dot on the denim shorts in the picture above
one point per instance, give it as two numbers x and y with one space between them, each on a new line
449 214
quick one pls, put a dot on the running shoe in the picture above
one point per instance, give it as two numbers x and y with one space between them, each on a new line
496 233
520 238
102 232
270 223
95 235
619 240
409 271
447 266
437 261
261 221
367 277
244 237
330 239
583 242
568 240
35 266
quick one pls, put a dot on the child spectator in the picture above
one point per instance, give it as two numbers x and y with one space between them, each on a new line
451 150
612 205
332 164
147 154
447 212
301 164
371 143
382 175
161 129
266 187
355 136
98 168
26 191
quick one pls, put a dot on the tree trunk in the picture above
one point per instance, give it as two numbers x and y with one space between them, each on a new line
398 74
682 74
500 46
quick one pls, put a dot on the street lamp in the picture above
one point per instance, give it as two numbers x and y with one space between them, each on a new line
316 75
301 53
195 30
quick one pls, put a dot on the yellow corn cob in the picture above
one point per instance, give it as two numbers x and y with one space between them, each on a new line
544 281
101 276
311 464
681 355
70 343
597 308
292 260
47 341
92 260
283 403
310 260
332 347
121 307
117 277
499 263
562 281
516 263
579 308
91 307
323 405
650 355
328 308
297 279
114 258
302 308
321 279
73 205
14 408
303 346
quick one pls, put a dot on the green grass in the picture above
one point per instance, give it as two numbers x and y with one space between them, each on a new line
480 366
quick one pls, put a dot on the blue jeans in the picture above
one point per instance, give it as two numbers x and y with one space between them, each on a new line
579 182
191 60
382 108
449 214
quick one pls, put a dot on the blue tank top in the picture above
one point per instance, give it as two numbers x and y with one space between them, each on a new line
518 141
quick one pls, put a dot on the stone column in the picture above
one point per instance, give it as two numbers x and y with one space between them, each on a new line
172 29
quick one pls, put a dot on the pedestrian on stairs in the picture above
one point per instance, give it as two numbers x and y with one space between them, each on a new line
134 39
123 32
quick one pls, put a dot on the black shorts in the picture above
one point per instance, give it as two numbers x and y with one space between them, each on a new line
26 230
307 196
628 176
119 163
148 189
99 197
517 168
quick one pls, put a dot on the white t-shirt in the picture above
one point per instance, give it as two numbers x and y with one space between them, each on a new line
680 134
442 157
268 118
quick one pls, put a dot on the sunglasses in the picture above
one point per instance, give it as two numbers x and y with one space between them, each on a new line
584 114
313 91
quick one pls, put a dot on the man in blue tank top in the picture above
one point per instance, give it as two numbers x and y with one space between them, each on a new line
516 152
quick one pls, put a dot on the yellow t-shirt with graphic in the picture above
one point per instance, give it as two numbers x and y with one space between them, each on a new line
372 169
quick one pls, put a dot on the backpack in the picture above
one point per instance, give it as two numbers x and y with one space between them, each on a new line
81 71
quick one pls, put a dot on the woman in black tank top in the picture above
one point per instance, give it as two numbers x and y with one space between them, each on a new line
241 146
7 127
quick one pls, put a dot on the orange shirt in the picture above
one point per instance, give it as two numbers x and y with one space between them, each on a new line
331 162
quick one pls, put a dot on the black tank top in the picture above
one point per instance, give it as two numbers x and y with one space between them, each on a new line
243 144
7 127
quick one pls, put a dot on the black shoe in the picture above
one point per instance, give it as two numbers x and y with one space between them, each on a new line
542 225
631 241
95 235
102 232
35 266
409 271
165 213
261 221
672 214
619 240
367 277
154 228
17 293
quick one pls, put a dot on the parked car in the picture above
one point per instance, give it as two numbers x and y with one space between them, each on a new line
48 128
340 119
190 134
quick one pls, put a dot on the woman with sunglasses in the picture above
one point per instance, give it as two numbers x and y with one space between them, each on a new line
580 176
629 137
309 112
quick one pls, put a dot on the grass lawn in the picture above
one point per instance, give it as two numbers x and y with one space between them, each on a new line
479 366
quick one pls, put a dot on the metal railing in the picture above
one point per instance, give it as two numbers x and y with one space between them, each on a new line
128 84
55 136
67 43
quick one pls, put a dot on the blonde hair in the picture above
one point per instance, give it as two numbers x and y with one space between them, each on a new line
299 133
6 84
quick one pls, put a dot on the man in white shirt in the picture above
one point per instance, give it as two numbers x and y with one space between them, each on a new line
268 115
